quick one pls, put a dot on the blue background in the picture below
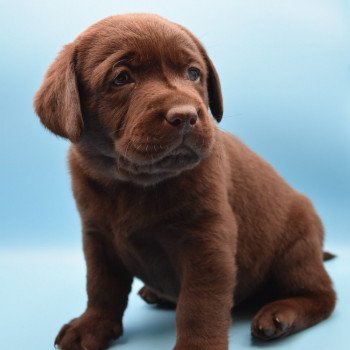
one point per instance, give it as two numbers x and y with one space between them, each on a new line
284 68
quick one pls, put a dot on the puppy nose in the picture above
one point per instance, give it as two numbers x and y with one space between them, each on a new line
182 116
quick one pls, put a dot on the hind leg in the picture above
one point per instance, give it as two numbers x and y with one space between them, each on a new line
303 288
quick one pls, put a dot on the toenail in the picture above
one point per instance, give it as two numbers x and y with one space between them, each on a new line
284 326
268 332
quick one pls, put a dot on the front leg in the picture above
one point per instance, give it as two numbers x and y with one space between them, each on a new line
108 286
203 313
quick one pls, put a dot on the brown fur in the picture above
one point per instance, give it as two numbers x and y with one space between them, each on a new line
169 198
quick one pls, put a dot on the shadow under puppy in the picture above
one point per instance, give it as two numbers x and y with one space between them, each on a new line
167 197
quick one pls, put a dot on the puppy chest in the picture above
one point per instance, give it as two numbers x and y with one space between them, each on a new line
151 260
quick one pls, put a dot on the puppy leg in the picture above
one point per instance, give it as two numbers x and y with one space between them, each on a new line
203 313
108 286
305 290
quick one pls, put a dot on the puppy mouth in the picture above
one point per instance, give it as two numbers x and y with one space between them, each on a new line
175 161
178 158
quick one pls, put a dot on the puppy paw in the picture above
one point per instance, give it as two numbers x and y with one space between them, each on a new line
273 321
91 331
151 297
201 345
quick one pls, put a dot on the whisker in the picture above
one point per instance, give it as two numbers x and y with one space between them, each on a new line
233 116
118 162
126 148
116 131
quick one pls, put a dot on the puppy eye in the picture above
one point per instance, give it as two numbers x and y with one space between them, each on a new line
193 74
122 78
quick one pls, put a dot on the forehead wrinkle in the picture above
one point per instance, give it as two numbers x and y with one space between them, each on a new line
172 50
99 68
152 43
153 39
119 31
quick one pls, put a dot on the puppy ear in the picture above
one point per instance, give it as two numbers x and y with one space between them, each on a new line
57 101
214 90
213 81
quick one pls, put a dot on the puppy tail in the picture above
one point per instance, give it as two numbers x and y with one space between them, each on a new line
328 256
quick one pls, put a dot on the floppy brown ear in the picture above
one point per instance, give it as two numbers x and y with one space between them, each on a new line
213 81
57 101
214 90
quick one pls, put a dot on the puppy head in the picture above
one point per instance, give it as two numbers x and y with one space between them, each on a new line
134 89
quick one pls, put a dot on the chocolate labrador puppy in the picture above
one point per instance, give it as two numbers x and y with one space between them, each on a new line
167 197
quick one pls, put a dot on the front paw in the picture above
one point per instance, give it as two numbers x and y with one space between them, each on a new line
201 345
90 331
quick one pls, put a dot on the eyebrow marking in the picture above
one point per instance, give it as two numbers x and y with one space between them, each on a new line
125 58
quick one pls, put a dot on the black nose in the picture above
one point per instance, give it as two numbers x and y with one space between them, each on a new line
182 117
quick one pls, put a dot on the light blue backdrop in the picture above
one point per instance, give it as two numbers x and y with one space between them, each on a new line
285 73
